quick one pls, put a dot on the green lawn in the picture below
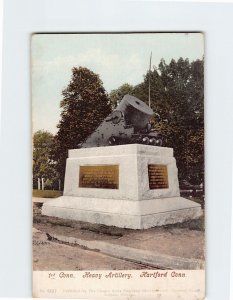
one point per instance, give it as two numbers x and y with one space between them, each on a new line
46 193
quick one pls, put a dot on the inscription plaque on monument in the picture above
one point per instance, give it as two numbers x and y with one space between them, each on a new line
158 177
101 176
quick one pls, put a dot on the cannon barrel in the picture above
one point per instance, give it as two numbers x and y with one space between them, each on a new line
129 123
136 112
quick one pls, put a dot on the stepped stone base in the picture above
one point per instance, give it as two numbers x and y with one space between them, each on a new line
124 213
129 186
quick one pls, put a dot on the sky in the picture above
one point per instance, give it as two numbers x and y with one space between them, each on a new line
117 58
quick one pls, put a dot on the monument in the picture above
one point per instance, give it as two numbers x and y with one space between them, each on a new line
121 176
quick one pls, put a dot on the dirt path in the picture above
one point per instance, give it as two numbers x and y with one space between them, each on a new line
50 255
186 240
169 240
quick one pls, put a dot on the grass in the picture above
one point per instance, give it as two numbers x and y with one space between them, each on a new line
46 193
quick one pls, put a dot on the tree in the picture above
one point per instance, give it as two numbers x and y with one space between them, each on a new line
184 86
84 106
177 96
43 165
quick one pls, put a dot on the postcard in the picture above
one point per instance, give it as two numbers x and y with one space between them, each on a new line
118 165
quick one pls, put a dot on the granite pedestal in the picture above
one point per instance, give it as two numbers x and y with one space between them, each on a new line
129 186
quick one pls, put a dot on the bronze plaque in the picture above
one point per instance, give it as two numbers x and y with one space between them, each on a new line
101 176
158 178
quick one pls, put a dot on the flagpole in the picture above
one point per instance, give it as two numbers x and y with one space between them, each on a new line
149 75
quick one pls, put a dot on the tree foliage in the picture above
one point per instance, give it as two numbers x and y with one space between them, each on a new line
43 165
177 95
84 105
184 89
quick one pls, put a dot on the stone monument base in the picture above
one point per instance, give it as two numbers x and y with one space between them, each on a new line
124 213
129 186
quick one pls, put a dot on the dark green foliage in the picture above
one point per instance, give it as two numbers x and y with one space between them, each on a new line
184 93
43 164
85 104
177 95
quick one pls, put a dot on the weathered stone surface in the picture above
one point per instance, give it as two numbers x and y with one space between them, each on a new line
133 204
133 163
121 149
124 213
